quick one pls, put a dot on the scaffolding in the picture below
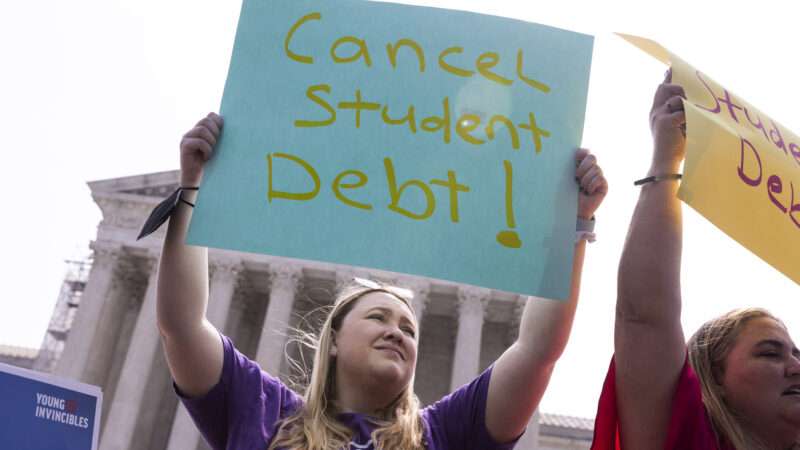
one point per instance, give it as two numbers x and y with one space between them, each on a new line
69 299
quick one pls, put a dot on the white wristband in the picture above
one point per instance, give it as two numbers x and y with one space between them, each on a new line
584 229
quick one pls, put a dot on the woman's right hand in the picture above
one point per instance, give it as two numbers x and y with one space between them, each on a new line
668 126
197 146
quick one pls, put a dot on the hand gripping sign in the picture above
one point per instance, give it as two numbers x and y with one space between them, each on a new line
742 169
410 139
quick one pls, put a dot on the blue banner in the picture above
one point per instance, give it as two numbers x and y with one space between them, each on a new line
42 412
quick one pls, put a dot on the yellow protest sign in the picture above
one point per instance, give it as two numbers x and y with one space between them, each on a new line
742 169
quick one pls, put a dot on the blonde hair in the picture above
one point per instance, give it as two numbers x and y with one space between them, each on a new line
315 426
708 348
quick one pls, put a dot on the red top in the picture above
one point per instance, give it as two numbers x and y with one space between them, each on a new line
689 424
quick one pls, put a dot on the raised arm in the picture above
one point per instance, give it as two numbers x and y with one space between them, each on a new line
648 338
521 374
191 344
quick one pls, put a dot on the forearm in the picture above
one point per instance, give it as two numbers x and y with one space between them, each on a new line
182 277
522 373
545 325
649 271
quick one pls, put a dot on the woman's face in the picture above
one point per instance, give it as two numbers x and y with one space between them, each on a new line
377 342
761 379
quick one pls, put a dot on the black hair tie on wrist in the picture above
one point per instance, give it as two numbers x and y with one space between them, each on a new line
657 178
164 211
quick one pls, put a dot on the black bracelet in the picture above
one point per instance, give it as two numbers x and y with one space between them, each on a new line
656 178
190 188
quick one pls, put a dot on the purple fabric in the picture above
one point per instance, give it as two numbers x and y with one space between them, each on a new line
243 410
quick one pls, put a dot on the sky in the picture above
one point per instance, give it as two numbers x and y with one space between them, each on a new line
101 89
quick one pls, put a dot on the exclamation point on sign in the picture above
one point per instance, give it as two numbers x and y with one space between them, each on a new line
509 238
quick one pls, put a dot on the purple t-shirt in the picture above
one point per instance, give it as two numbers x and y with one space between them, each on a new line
243 410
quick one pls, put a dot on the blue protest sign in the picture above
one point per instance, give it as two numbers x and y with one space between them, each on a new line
410 139
42 412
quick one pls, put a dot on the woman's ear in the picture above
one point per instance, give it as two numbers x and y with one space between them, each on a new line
334 350
718 374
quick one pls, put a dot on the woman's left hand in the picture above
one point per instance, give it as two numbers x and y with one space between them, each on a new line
592 184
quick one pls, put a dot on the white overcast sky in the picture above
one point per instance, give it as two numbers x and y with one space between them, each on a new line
95 89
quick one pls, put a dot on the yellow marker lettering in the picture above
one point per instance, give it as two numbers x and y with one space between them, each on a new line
436 123
512 130
292 55
358 106
338 185
485 62
272 193
391 51
452 185
362 52
509 238
467 123
396 194
536 132
408 118
453 69
310 93
529 81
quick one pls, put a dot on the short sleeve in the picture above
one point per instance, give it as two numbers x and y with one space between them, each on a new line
689 425
243 409
458 421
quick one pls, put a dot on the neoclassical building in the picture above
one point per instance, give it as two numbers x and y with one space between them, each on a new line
103 331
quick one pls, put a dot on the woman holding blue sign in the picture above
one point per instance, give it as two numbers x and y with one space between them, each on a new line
736 384
360 394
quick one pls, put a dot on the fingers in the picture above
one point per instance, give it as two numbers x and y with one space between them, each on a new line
579 155
588 173
197 145
585 163
203 132
670 107
665 92
598 184
203 137
672 112
674 103
678 118
213 122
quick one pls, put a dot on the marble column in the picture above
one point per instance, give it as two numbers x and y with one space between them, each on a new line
283 288
222 285
84 331
118 433
421 289
516 318
466 361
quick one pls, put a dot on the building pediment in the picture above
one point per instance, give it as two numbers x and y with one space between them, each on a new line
125 202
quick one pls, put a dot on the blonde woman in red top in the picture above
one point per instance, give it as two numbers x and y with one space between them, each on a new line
736 384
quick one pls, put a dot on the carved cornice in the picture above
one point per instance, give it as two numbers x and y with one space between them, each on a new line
105 254
344 277
421 289
516 318
472 301
285 277
123 214
224 268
